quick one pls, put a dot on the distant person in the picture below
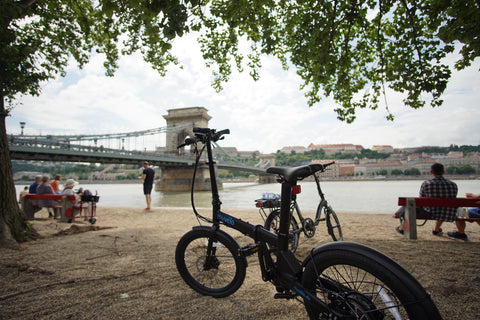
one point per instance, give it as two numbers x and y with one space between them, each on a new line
461 225
68 189
148 177
33 186
46 188
23 193
440 187
473 212
56 184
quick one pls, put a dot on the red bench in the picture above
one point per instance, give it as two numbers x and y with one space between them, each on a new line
62 203
410 204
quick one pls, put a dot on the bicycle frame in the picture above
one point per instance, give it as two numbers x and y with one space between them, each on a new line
323 201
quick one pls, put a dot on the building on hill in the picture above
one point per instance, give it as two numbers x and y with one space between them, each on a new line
331 149
231 151
293 149
383 149
375 169
248 154
332 170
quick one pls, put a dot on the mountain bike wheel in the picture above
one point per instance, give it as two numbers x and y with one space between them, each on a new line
218 273
272 223
333 224
358 282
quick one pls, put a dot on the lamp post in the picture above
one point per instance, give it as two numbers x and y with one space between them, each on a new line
22 126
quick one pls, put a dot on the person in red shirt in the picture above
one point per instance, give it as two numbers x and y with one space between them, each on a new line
56 184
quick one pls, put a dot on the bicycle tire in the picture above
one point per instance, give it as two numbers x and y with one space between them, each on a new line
333 224
272 223
358 282
219 275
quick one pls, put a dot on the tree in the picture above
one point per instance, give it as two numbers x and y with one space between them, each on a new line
412 172
39 37
396 172
467 169
350 50
452 170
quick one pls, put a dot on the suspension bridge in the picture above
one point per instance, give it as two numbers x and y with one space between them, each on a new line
176 164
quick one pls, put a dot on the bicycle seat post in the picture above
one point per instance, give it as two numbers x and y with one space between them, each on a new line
286 197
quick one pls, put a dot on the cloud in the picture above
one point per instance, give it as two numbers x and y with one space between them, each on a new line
264 115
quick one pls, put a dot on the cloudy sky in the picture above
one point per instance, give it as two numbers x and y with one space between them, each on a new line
265 115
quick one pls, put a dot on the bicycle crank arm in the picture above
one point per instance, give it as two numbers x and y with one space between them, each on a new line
309 297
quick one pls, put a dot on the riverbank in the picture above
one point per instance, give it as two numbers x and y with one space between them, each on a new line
255 180
123 268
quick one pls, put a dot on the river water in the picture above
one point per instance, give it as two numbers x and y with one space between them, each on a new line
344 196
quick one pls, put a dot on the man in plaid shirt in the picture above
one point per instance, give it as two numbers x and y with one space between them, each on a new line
440 187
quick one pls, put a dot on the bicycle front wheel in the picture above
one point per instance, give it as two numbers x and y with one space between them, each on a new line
209 262
358 282
273 224
333 224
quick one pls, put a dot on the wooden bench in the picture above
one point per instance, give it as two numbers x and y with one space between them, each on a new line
410 204
64 204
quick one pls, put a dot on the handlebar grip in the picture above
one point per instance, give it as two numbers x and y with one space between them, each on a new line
224 131
219 135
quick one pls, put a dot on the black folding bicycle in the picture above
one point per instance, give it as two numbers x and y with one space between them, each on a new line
338 280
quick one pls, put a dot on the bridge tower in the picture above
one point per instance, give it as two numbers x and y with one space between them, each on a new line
177 178
194 116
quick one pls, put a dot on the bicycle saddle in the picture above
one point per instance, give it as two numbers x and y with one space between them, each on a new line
292 174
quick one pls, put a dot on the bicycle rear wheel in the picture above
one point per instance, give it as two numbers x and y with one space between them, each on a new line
273 224
358 282
210 263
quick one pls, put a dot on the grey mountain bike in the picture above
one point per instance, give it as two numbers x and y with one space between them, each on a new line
308 226
338 280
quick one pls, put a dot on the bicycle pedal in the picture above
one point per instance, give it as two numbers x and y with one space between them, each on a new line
284 296
248 250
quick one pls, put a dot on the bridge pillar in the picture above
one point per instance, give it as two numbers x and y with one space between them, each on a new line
266 178
180 179
267 160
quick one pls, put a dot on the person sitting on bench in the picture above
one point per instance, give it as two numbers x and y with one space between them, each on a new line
439 187
46 188
461 224
68 189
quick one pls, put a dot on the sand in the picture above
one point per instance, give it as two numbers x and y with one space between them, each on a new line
123 268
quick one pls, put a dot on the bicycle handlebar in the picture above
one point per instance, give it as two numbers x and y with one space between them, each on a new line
320 167
328 164
203 135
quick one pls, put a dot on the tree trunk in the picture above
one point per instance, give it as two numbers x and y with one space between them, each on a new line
12 221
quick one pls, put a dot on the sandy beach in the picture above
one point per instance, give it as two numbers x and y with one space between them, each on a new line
123 268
